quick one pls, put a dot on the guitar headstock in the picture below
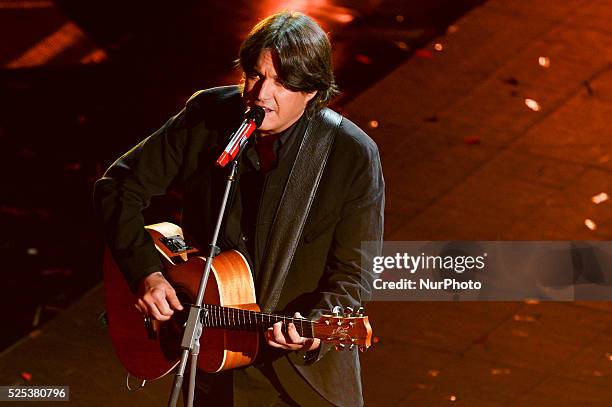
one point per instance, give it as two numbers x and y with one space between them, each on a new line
344 328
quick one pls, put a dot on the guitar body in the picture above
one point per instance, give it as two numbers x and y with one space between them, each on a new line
149 353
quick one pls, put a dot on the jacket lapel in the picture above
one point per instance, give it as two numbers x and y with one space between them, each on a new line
295 205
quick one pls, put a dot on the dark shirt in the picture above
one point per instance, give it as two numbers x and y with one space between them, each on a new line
261 186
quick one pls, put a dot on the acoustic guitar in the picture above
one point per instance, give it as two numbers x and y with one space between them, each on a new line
230 338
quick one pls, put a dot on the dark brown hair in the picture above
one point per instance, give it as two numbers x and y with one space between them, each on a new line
304 55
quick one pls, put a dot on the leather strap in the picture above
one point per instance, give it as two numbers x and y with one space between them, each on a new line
295 205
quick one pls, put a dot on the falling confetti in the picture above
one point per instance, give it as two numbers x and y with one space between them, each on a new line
12 211
609 356
37 315
27 153
452 397
32 251
373 124
26 376
452 29
544 62
532 302
590 224
512 81
599 198
57 271
424 53
401 45
72 166
471 140
433 372
399 18
35 334
533 105
364 59
497 372
524 318
520 333
438 47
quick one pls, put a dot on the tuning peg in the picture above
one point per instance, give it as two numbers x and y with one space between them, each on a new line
361 348
351 346
338 310
348 311
360 312
340 346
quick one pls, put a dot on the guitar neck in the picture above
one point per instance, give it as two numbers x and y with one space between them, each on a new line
240 319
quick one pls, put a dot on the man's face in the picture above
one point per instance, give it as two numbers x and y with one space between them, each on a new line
262 87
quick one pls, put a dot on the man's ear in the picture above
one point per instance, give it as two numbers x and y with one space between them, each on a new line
310 95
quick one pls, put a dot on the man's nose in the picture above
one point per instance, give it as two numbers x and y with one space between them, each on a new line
265 90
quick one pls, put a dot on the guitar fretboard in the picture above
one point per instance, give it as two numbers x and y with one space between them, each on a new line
234 318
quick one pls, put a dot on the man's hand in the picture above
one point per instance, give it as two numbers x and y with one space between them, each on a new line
292 341
157 298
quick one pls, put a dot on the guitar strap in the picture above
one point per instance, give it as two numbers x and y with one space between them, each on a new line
295 205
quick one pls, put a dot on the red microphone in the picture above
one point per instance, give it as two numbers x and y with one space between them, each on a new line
253 118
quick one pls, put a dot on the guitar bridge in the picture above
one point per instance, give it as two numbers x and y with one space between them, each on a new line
176 244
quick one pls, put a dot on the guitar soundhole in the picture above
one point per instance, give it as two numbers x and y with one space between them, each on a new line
171 332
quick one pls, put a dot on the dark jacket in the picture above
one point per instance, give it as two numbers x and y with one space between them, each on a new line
330 266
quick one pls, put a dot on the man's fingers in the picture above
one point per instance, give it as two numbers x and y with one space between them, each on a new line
173 300
158 297
294 335
163 306
270 340
277 333
154 312
141 306
155 307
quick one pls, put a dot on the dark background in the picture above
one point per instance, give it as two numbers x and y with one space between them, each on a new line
81 82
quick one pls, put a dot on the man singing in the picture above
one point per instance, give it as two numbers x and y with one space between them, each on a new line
287 71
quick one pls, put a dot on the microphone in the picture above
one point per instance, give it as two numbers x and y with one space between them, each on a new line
253 118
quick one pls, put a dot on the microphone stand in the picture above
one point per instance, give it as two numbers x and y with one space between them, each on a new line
191 337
